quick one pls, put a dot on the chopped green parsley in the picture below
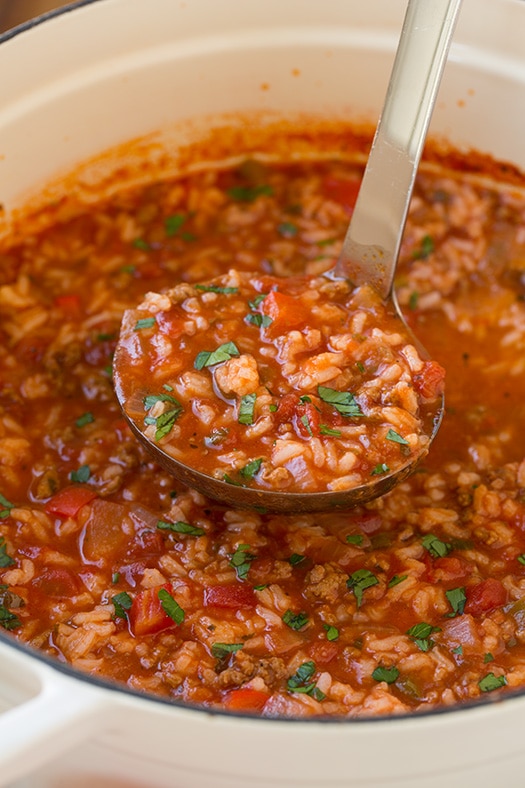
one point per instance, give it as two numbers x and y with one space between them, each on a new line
144 322
420 634
247 408
241 561
249 193
332 633
6 507
208 358
180 527
5 559
122 603
359 581
343 401
396 438
301 681
490 682
86 418
170 606
436 547
81 475
222 650
388 675
295 620
457 599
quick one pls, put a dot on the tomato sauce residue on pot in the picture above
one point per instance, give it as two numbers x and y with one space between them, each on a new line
414 601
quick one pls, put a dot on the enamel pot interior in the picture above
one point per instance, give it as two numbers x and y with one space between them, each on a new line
99 74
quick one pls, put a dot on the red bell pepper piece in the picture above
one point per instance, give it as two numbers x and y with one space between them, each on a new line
68 501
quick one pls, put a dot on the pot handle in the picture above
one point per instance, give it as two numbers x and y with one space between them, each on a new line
48 712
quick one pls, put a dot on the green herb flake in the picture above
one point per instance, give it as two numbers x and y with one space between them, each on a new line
261 587
251 469
413 300
172 224
324 430
343 401
396 438
287 229
296 558
249 193
6 507
332 633
326 241
151 399
208 358
295 621
122 603
164 423
458 650
396 579
222 650
5 559
84 420
305 421
359 581
490 682
144 322
361 367
115 577
8 620
302 682
180 527
217 289
256 319
388 675
81 475
426 248
488 657
170 606
457 599
356 539
521 558
436 547
247 409
420 634
379 469
140 243
241 561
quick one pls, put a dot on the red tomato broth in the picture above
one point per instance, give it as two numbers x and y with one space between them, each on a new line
314 613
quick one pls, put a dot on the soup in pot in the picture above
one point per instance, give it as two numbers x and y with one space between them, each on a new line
414 601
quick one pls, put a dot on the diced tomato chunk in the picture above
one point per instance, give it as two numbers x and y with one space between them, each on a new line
485 596
58 583
234 596
304 416
429 382
323 652
448 568
246 699
343 191
68 501
285 311
146 614
68 303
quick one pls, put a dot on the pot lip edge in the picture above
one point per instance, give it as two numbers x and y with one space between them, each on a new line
36 21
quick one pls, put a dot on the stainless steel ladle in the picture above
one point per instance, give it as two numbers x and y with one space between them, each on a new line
371 247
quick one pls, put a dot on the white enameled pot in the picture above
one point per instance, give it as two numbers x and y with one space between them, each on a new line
97 74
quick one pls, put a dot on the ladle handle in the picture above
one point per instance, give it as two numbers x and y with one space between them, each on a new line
372 243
